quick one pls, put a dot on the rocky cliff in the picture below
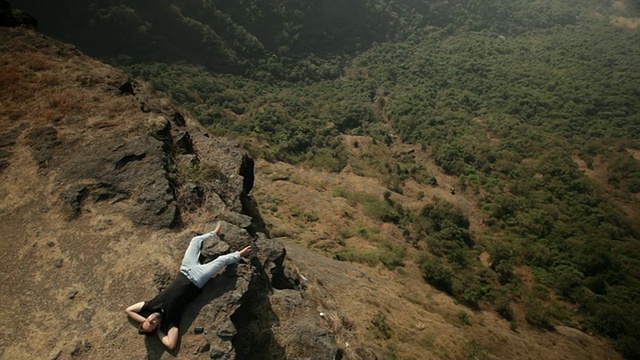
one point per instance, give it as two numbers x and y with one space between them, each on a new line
103 183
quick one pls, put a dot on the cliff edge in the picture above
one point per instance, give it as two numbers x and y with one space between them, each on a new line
103 184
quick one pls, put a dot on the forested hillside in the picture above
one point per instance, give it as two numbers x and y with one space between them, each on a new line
533 106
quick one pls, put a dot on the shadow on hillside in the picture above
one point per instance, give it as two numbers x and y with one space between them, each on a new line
155 349
254 321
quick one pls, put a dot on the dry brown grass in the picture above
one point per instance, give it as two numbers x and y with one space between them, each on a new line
15 91
423 323
36 86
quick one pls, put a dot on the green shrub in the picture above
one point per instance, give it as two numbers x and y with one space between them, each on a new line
474 351
198 173
310 216
538 315
609 319
328 159
464 318
503 307
370 258
438 275
379 321
393 256
345 233
392 351
390 256
372 206
469 288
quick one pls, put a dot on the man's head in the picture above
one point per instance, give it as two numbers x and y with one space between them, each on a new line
150 324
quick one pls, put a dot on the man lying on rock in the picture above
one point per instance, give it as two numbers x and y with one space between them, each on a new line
161 315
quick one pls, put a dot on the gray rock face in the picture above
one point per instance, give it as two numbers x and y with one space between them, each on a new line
120 169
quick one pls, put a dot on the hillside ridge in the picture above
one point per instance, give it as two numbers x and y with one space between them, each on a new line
104 182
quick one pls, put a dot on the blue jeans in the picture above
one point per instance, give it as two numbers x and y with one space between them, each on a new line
199 273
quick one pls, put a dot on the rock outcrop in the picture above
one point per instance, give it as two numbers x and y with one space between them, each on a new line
117 181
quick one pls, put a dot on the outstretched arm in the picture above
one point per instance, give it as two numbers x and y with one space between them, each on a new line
170 339
134 310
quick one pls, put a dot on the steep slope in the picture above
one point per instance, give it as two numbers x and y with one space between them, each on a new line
103 183
394 312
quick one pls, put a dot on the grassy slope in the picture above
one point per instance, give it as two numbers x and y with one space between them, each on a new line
514 112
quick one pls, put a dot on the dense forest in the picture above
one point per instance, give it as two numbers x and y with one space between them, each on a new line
508 96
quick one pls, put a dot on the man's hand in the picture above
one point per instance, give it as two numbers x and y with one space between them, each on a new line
245 252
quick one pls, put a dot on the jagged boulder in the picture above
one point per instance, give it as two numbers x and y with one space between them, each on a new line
119 169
